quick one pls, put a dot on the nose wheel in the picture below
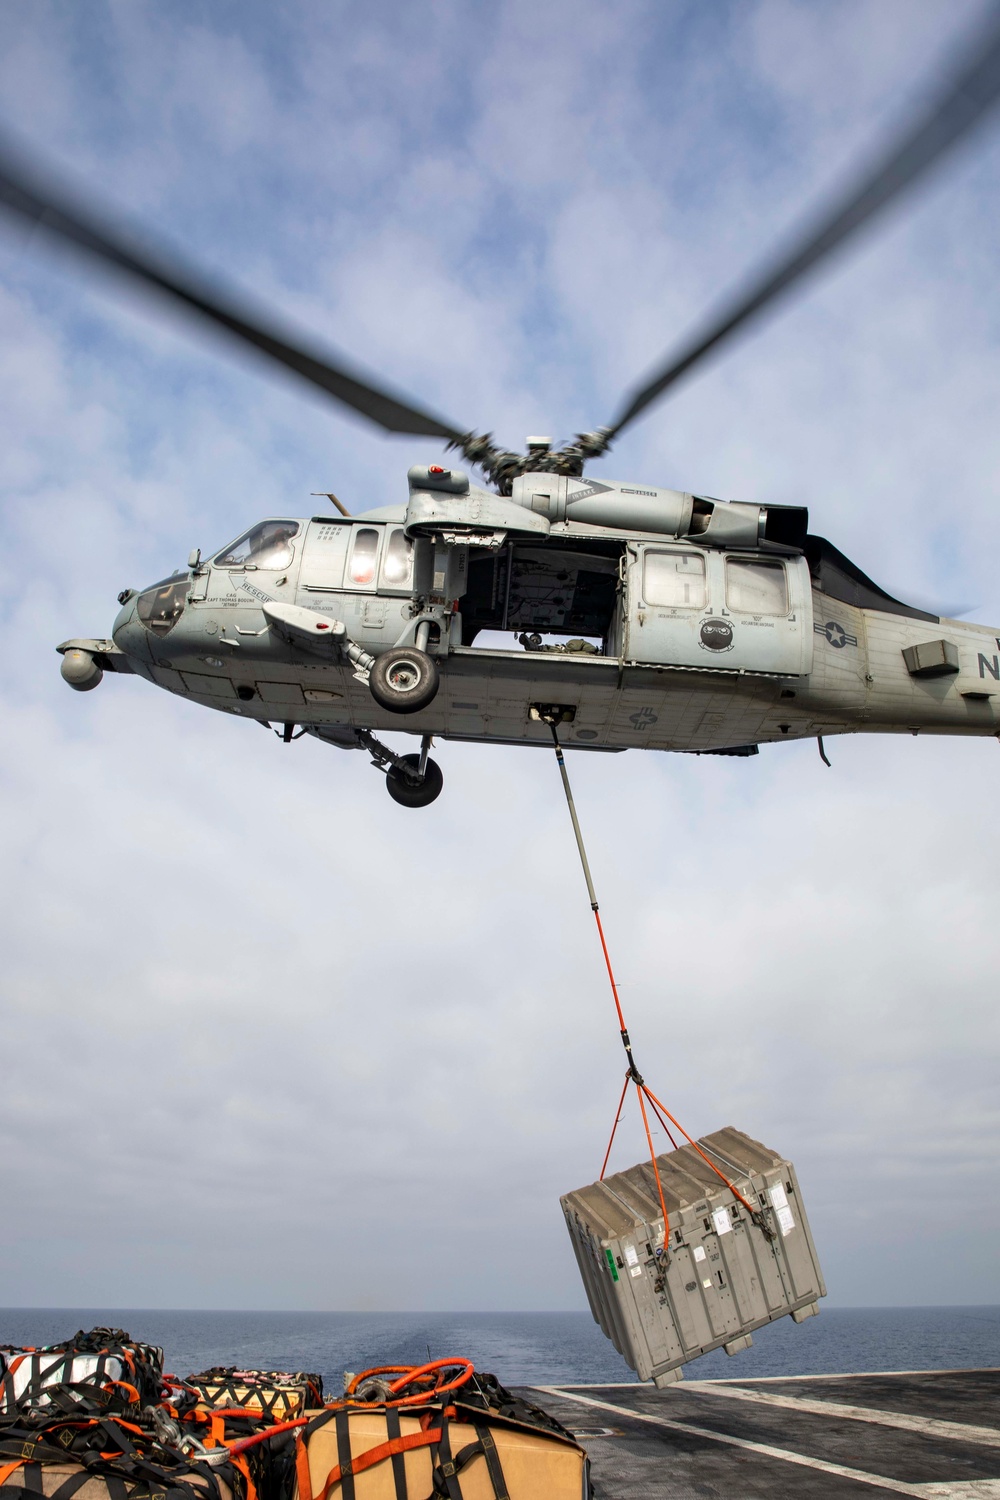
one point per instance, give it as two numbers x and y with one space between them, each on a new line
410 780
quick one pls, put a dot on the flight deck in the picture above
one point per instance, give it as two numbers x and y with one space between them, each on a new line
924 1433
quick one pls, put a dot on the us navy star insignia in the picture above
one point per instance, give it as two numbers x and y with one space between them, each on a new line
836 634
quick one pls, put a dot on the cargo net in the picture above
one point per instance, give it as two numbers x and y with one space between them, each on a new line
71 1428
276 1394
552 717
103 1370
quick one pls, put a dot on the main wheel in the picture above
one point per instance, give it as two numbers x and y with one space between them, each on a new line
404 680
414 793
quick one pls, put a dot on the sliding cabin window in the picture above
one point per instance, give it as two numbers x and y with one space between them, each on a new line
364 555
674 580
756 588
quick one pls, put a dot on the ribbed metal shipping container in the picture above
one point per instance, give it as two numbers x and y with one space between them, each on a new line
726 1272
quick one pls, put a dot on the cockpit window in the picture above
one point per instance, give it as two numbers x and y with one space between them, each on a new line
160 607
268 545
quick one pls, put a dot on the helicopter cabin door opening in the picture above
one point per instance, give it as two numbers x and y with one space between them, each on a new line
718 611
537 589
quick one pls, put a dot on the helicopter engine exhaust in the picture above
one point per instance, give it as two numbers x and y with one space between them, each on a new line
80 670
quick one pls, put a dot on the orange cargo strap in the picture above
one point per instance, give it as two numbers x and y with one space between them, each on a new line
127 1386
216 1436
302 1475
429 1376
643 1093
240 1445
244 1468
235 1411
6 1470
366 1460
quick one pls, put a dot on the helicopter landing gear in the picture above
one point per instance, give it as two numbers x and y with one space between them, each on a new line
410 780
410 793
404 680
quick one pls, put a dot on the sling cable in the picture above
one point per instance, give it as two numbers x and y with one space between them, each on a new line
644 1093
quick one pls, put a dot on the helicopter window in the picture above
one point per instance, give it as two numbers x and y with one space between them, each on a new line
160 606
364 555
756 588
674 579
268 545
397 565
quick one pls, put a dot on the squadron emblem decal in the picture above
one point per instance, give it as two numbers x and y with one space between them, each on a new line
716 635
836 634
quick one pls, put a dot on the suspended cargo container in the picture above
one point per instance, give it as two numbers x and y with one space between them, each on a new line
725 1271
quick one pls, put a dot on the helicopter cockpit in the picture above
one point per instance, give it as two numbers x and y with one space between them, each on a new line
266 545
160 606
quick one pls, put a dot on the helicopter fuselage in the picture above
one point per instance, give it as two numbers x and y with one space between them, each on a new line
662 636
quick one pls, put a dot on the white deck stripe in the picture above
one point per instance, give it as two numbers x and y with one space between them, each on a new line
860 1476
928 1426
630 1385
854 1375
963 1489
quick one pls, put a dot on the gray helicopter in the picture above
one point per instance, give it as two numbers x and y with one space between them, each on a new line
642 616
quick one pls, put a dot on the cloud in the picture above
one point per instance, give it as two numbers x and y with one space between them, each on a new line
272 1040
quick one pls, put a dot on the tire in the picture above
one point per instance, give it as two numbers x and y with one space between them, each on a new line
404 680
414 793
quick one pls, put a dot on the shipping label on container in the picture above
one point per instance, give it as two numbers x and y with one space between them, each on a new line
778 1199
699 1252
723 1223
785 1220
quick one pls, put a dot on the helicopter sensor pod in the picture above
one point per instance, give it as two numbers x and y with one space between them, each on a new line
80 670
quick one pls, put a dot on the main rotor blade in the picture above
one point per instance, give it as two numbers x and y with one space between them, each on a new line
967 99
25 194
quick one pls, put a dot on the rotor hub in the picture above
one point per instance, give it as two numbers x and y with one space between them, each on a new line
502 467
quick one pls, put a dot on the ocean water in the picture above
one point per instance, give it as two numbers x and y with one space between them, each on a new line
525 1348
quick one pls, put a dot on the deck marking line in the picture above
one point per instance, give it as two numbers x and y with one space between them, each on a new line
630 1385
784 1454
841 1375
928 1426
962 1489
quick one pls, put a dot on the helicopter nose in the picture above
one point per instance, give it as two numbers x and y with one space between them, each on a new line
127 600
127 632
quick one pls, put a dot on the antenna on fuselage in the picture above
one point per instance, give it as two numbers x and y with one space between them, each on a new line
333 501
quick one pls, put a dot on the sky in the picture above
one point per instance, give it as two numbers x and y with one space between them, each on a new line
270 1040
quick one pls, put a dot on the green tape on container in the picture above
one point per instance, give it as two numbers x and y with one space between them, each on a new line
611 1265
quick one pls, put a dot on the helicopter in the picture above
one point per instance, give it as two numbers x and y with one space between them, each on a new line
643 616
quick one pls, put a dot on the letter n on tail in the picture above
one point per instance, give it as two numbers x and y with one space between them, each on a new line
989 664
